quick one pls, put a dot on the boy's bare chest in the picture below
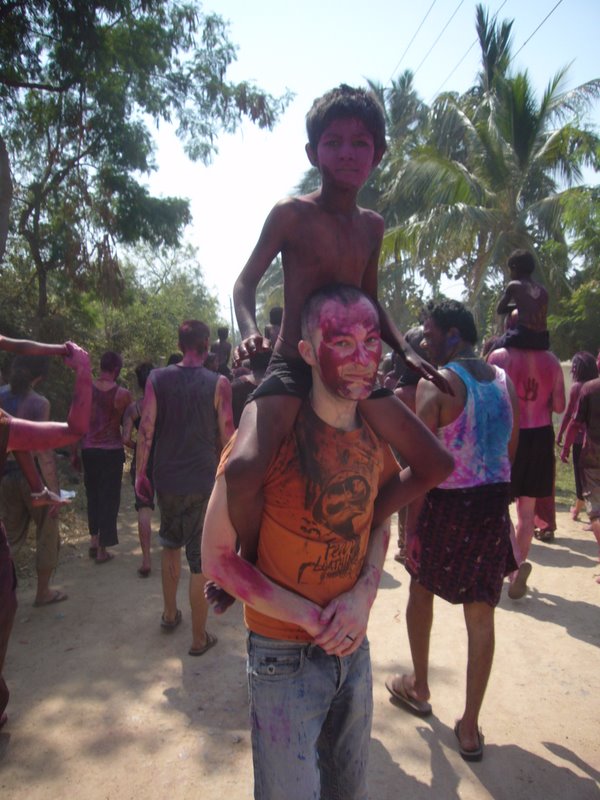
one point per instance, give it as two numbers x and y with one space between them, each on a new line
326 244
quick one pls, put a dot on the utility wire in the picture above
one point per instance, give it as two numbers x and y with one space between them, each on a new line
426 56
549 14
464 56
395 70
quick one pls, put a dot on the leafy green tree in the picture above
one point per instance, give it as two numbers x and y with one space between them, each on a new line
80 84
493 174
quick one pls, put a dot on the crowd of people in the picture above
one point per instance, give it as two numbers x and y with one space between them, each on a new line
279 477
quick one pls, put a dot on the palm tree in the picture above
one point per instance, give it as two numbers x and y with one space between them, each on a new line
493 173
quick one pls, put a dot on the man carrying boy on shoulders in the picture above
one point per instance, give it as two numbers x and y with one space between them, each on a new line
323 237
321 549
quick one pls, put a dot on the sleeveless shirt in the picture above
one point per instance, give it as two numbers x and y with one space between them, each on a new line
186 431
478 438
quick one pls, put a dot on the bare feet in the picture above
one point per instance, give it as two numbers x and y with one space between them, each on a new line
218 598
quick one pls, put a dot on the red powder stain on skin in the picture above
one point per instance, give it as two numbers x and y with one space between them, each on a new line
244 580
350 347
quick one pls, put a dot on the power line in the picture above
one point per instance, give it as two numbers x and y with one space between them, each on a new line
426 56
464 56
395 70
549 14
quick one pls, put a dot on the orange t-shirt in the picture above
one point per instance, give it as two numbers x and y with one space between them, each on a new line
318 506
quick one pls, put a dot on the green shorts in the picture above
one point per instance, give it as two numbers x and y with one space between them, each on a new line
181 523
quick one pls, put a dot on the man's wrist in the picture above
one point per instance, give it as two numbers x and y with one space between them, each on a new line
39 495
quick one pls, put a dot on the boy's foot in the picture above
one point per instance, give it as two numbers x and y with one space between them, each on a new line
544 536
144 572
398 687
474 752
199 651
53 596
104 558
218 598
170 624
518 587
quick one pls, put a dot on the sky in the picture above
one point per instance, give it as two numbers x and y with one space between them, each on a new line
310 47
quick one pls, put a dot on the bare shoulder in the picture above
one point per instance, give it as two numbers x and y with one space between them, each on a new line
374 220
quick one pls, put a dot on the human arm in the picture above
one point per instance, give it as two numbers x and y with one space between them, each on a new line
269 244
575 426
25 347
129 418
346 617
143 487
507 303
222 564
571 406
391 334
224 410
429 463
513 442
27 435
559 400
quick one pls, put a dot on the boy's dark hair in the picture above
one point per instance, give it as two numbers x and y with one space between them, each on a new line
193 335
345 102
141 373
452 314
111 362
584 367
222 333
343 293
275 315
24 370
522 262
174 358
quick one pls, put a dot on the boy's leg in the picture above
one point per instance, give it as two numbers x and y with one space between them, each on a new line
171 570
263 425
419 619
479 618
345 738
291 687
144 515
525 524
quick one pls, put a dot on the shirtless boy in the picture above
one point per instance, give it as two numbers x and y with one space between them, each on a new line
530 300
323 237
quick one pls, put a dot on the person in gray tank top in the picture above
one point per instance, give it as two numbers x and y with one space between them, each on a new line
187 411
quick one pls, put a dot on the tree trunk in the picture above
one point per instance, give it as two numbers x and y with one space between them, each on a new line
6 193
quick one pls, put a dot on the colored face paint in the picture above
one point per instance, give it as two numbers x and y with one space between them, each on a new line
346 151
348 348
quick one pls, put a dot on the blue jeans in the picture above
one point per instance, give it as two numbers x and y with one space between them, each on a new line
311 719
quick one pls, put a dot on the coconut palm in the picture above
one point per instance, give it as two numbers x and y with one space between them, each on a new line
493 173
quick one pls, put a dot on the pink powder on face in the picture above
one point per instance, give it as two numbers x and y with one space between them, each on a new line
346 152
350 348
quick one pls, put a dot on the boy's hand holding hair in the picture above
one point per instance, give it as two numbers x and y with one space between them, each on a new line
426 370
250 346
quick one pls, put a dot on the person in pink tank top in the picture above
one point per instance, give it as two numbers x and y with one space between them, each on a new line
103 456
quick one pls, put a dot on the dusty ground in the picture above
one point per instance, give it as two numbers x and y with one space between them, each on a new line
105 706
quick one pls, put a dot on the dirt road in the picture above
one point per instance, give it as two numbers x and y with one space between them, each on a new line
105 706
